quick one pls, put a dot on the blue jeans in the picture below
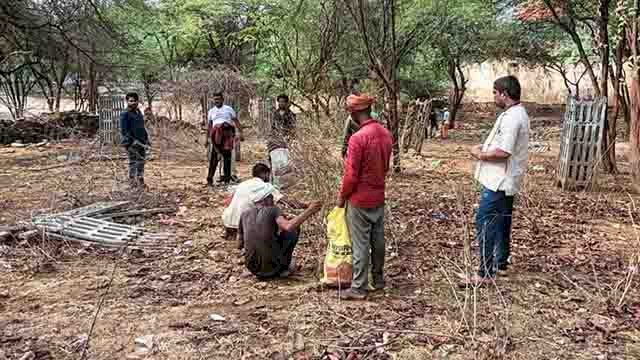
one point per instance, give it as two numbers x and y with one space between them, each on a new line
493 228
287 242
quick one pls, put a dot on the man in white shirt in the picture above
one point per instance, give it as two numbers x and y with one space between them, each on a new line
223 130
241 198
502 165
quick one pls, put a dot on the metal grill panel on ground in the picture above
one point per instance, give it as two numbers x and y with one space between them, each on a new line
580 144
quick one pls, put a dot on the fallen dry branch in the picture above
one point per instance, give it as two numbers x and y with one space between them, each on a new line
16 232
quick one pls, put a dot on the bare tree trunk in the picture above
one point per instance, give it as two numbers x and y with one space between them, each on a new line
620 104
92 88
93 81
457 93
394 129
50 104
634 137
609 135
204 104
61 79
634 97
16 88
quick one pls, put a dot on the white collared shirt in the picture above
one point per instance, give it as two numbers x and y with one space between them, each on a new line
223 114
510 134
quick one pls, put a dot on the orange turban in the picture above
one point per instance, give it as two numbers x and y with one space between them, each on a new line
359 102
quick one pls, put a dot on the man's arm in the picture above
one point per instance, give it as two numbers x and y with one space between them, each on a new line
125 129
496 154
292 225
238 126
293 203
240 235
505 147
351 171
208 136
236 123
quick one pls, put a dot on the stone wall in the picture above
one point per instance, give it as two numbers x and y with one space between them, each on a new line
538 85
52 126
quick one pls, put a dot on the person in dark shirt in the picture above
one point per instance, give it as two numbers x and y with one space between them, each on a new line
267 236
135 139
283 122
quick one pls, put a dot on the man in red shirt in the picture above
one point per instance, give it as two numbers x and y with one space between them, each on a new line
363 186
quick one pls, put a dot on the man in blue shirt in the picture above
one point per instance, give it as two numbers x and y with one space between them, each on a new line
135 139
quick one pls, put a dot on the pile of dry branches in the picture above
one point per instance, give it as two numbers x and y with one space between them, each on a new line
192 87
315 157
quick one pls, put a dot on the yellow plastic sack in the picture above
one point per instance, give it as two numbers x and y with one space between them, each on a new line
338 261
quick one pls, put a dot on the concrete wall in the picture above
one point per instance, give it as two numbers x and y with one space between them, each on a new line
538 85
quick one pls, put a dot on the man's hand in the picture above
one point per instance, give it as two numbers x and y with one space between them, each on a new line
315 206
476 151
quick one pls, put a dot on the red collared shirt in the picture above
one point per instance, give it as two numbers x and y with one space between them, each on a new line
367 165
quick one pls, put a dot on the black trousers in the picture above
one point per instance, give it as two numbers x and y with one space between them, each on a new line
226 165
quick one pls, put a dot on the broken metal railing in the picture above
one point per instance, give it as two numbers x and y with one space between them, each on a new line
89 225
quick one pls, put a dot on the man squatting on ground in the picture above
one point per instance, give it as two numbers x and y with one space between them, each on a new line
135 139
267 236
223 130
362 191
241 199
502 165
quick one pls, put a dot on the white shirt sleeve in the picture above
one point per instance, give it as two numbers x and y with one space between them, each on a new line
509 133
232 113
277 196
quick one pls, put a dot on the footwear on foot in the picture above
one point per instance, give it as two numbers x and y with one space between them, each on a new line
352 294
378 287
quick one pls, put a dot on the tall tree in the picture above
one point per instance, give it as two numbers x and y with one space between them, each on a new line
297 45
582 20
629 29
386 46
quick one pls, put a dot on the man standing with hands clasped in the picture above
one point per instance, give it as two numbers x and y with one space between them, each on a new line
135 140
502 165
362 191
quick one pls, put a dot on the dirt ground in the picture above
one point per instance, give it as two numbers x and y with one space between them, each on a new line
571 293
